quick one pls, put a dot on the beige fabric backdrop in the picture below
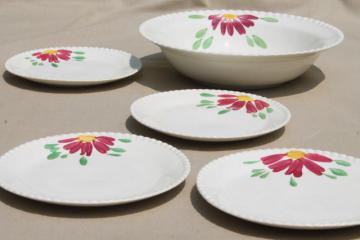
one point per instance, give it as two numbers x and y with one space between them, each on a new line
324 104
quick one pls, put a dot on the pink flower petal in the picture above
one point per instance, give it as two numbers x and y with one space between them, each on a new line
272 158
89 149
317 157
238 105
215 23
250 108
248 16
230 28
222 102
67 140
295 168
223 28
247 23
101 147
239 27
260 105
313 167
281 165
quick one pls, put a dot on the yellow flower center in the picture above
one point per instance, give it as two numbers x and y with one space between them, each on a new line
295 154
245 98
50 52
86 138
229 16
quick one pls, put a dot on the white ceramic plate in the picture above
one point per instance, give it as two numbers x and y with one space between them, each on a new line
240 48
210 115
92 169
73 66
290 188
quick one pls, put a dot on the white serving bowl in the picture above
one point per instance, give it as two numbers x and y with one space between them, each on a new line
240 49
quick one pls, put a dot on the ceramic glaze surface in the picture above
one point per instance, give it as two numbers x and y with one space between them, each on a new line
92 169
73 66
234 48
210 115
289 187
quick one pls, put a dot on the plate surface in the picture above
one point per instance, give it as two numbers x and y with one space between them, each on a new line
73 66
210 115
92 169
290 188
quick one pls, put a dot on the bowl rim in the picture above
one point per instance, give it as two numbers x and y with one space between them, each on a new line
287 53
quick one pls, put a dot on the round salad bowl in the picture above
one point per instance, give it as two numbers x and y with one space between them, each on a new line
240 49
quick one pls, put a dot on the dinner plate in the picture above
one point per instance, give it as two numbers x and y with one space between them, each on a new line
73 66
92 169
290 188
210 115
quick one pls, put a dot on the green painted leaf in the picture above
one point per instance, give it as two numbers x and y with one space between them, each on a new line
269 110
293 183
207 95
50 146
53 155
195 16
83 161
35 63
207 43
257 170
206 101
202 105
330 176
256 174
64 156
41 64
114 154
262 115
54 65
254 115
338 172
196 44
269 19
223 111
211 107
79 58
118 149
78 52
249 41
54 149
259 41
250 162
124 140
343 163
201 33
265 175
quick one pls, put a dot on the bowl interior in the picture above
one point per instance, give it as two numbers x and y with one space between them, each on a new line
240 32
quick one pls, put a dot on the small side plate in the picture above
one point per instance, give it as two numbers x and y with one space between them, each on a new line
289 188
73 66
210 115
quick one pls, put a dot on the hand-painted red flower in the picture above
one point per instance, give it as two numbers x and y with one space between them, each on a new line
53 55
230 21
86 143
237 102
293 162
